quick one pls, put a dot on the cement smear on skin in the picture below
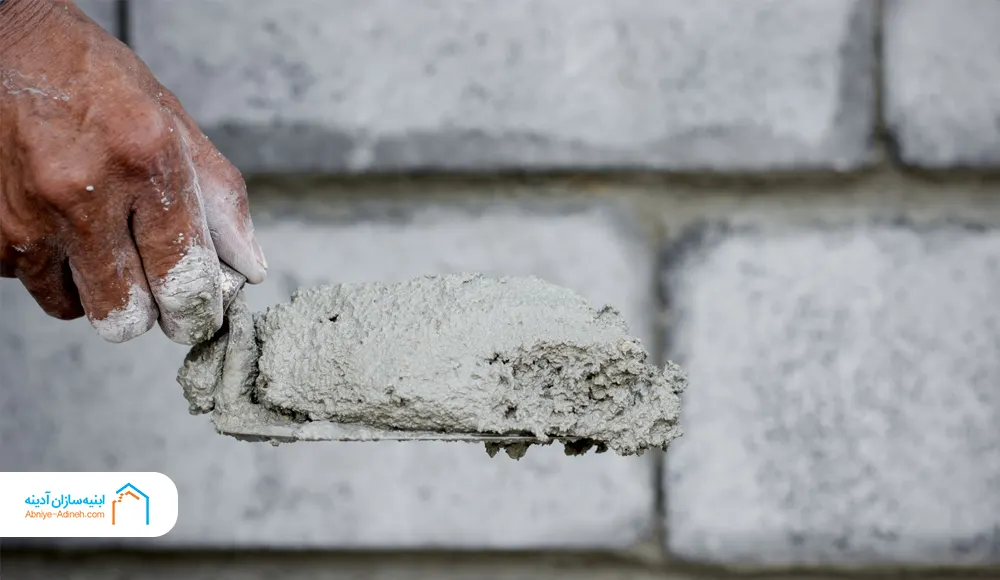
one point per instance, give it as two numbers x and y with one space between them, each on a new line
451 354
134 318
190 297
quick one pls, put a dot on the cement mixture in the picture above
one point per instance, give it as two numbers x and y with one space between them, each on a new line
518 358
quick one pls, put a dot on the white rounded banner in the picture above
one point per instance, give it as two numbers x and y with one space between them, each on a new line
86 504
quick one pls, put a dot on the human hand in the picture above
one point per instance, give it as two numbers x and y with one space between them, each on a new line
113 203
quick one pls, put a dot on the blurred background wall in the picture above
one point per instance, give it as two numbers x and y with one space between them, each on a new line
796 201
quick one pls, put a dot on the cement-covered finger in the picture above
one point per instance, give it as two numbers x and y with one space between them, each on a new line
178 255
108 275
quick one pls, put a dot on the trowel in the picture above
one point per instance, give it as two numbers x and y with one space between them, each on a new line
234 352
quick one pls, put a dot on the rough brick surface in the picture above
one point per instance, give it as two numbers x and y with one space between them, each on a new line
477 85
843 403
104 12
942 81
69 401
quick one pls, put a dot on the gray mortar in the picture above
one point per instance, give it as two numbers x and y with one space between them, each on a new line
459 354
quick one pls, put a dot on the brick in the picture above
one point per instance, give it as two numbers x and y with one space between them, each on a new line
104 12
70 401
942 81
342 86
843 405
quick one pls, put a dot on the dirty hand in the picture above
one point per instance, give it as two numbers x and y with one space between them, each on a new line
113 203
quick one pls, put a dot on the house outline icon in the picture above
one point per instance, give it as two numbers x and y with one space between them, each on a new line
131 488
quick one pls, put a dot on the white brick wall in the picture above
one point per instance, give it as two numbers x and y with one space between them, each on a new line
478 85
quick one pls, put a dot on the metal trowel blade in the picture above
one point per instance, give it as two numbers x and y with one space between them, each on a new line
274 429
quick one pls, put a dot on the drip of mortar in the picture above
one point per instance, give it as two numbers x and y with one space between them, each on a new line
510 362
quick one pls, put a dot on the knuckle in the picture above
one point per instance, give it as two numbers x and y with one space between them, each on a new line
63 184
141 134
68 191
58 180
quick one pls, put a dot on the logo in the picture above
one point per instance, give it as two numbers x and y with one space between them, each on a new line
141 503
86 504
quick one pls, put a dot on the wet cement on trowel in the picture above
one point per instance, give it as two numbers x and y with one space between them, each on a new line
451 354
